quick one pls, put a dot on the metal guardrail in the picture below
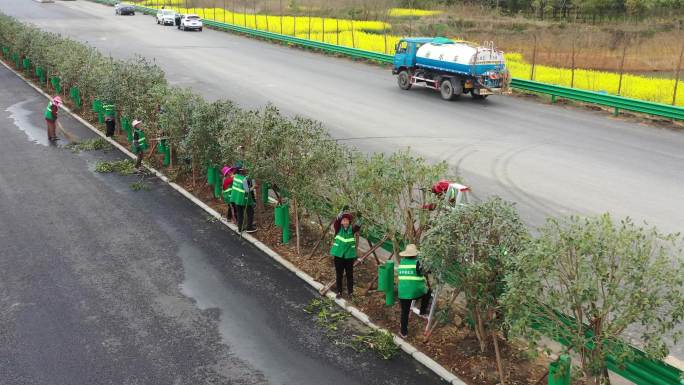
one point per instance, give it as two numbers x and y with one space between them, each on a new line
617 102
642 371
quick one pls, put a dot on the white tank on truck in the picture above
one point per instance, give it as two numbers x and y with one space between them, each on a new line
452 67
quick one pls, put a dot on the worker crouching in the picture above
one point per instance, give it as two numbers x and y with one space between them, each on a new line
343 250
412 286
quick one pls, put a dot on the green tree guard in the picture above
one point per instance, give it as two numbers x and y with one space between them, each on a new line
285 212
26 64
55 81
264 192
210 175
382 278
559 371
217 184
167 156
100 117
97 105
161 148
278 215
389 283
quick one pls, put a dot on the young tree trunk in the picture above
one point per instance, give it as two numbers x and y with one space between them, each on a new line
194 175
479 330
499 363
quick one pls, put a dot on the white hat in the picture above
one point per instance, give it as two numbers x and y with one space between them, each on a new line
410 251
136 122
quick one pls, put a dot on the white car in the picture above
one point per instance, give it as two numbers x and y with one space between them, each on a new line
166 16
190 22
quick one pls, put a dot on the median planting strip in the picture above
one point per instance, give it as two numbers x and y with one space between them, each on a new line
208 121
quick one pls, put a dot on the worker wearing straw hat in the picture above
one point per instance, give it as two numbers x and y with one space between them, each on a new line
412 285
51 117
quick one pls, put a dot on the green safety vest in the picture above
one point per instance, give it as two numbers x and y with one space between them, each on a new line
108 109
48 112
238 195
411 285
344 245
142 142
227 193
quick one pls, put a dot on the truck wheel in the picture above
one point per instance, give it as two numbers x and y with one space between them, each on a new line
447 90
404 80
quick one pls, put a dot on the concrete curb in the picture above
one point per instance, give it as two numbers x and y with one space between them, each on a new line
438 369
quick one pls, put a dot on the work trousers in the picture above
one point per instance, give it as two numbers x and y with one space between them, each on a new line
406 309
240 212
344 266
110 127
51 130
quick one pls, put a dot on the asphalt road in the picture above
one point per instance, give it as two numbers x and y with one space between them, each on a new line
551 160
100 284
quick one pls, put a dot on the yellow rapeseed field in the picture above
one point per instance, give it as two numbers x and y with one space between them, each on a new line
372 36
272 23
633 86
403 12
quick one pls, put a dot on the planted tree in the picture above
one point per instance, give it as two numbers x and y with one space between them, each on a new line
467 249
207 125
585 282
179 104
390 193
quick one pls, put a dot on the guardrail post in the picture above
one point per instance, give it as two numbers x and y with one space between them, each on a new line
616 112
553 99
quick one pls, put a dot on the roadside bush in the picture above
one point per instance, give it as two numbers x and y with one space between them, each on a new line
607 277
468 249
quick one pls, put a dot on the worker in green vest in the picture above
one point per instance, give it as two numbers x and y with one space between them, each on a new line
242 196
51 117
343 250
412 286
227 189
139 143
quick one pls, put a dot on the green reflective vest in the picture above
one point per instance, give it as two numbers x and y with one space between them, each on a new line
239 194
142 142
227 192
411 285
48 112
344 245
108 109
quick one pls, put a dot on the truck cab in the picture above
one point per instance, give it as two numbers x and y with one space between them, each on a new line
405 53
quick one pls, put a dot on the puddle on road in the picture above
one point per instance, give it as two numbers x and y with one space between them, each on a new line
22 119
244 328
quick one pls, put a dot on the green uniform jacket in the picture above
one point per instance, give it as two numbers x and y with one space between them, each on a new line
344 245
411 285
48 113
240 194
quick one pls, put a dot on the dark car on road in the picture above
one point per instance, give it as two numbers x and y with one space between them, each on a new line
124 9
